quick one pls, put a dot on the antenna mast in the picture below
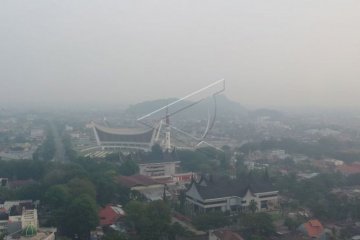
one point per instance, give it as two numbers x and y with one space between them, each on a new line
167 132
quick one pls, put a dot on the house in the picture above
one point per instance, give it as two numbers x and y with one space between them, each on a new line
224 234
136 182
37 134
148 187
30 233
255 165
4 218
19 219
16 215
349 169
158 169
165 166
224 194
278 154
110 214
183 177
313 229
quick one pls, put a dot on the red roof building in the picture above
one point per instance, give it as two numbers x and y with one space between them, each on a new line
136 181
110 215
348 169
313 229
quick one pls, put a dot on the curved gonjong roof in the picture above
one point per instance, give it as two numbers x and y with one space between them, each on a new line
136 135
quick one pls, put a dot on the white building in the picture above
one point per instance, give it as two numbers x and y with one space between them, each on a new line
37 134
278 154
223 194
158 169
29 217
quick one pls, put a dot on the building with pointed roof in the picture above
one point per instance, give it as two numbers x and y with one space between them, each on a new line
313 229
233 195
123 138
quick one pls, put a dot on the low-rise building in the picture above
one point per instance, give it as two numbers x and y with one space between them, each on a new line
313 229
110 214
148 187
158 169
278 154
224 194
37 134
349 169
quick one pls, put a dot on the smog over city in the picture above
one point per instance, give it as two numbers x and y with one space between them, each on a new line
272 53
179 120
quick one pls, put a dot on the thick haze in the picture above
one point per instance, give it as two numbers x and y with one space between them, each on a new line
271 53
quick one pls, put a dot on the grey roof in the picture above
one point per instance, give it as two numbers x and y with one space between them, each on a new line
225 187
123 135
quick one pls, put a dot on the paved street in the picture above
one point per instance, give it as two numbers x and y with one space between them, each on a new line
59 146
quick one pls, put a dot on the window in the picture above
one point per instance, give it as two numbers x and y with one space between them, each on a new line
263 204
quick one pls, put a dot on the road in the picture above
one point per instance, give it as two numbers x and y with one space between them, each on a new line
59 146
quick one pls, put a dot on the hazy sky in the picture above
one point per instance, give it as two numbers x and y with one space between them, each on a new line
271 53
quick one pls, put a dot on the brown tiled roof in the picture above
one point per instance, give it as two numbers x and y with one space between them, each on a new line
164 180
136 180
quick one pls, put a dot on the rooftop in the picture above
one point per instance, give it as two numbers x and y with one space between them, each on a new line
42 234
218 187
122 131
313 228
106 134
136 180
110 214
349 168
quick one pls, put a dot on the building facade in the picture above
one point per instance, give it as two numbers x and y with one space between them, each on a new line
227 195
158 169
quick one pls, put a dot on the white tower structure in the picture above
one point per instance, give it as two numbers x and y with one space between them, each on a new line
156 117
167 143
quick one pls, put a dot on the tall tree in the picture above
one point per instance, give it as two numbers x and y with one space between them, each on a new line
128 167
253 206
211 220
79 186
258 224
80 217
151 221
